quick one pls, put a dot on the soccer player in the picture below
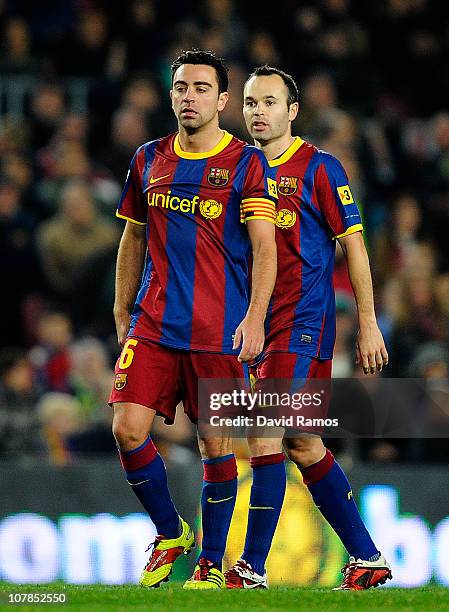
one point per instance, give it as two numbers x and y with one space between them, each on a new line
197 203
315 208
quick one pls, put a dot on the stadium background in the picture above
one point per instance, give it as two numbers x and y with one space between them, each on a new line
82 84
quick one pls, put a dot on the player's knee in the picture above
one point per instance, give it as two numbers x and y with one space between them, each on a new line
127 436
211 448
307 452
131 425
259 447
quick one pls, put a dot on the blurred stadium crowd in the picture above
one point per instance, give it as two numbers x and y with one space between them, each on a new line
84 83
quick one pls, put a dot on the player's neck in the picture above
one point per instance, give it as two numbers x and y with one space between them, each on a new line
201 141
275 148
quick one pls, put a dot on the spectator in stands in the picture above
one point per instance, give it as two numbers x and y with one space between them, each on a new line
60 418
18 169
142 34
232 117
50 356
392 247
15 55
47 109
419 318
19 431
20 267
91 378
129 131
69 238
85 50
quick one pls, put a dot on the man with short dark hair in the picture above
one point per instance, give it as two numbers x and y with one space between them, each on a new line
316 208
197 204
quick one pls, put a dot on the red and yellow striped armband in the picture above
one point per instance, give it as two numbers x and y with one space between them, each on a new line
257 208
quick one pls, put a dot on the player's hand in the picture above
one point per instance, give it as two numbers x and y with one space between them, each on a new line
250 334
371 353
122 323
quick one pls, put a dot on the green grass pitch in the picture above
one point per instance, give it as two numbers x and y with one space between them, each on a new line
168 598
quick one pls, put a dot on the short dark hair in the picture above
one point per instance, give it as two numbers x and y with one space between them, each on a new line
265 70
208 58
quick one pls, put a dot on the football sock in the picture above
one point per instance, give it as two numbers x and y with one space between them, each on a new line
332 494
267 496
145 472
217 503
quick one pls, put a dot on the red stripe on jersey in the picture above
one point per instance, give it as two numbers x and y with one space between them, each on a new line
289 275
328 207
154 300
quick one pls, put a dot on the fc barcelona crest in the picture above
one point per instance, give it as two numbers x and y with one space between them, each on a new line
218 177
288 185
120 381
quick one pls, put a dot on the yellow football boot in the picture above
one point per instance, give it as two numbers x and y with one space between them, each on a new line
165 552
206 576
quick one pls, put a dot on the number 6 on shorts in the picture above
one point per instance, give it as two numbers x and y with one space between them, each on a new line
127 356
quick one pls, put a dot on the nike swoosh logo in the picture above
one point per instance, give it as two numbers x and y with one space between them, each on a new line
159 178
134 484
249 585
261 507
218 501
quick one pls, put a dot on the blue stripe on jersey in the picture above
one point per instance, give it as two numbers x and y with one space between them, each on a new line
351 215
125 187
127 182
310 250
235 237
144 286
181 243
150 151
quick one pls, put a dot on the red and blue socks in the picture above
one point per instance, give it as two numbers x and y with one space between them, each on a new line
217 503
267 497
332 494
145 472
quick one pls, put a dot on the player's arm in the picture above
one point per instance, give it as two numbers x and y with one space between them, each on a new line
251 331
371 350
130 260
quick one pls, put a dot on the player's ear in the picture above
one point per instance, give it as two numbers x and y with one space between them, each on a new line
293 111
222 100
171 97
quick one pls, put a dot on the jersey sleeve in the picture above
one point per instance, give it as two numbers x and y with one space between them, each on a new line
259 191
335 198
132 205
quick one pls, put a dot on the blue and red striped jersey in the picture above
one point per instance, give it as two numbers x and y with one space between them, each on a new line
194 288
315 206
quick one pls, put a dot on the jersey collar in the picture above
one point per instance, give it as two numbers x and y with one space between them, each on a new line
217 149
277 161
